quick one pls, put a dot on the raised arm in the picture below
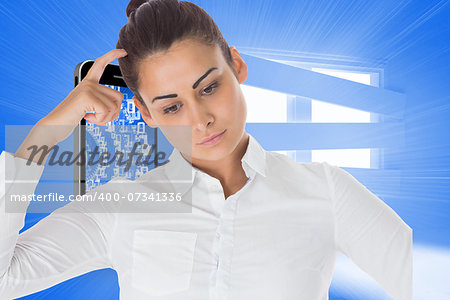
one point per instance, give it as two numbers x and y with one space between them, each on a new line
74 239
67 243
371 234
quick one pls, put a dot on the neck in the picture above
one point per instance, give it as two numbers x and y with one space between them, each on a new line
227 169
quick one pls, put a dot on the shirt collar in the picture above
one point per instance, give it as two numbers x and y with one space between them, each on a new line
254 158
181 173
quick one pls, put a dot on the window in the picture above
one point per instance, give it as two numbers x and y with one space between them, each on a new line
322 112
266 106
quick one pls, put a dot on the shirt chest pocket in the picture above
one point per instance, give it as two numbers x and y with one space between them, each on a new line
162 261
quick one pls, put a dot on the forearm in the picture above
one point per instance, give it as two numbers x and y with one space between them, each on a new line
42 135
16 178
69 242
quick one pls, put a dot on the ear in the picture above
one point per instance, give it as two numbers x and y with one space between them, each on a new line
240 67
144 113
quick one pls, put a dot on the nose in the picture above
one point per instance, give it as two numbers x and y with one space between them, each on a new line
201 116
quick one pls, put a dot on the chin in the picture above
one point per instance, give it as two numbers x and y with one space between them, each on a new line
215 152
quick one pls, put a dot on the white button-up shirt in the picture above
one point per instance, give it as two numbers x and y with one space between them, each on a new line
276 238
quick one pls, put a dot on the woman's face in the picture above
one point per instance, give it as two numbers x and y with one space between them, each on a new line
192 93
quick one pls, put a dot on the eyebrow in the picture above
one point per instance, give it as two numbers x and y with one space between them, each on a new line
193 86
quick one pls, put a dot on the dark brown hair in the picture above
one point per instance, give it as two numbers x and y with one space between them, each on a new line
154 25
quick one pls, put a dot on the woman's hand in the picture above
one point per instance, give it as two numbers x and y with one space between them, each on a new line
88 96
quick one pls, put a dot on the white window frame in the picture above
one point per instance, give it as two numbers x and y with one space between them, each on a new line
309 61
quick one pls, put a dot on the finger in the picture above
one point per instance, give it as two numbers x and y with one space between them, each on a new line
94 118
111 95
112 109
115 106
98 118
116 115
108 95
90 118
97 69
102 110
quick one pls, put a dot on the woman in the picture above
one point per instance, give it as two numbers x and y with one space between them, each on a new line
259 225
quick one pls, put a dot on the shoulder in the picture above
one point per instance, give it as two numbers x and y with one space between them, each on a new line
281 165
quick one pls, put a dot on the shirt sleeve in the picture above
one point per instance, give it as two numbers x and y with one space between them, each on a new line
69 242
370 233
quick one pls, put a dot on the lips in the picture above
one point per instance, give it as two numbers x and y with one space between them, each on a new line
211 137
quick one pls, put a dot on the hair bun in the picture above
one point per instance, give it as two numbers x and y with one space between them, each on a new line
133 5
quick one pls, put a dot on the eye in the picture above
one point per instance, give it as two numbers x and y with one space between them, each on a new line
170 110
210 88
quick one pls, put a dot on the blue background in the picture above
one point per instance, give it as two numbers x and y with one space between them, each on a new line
42 41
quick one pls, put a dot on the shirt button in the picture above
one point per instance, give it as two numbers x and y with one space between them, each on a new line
217 235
